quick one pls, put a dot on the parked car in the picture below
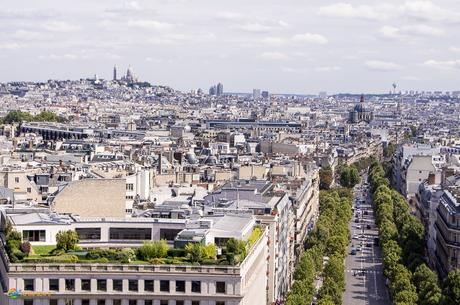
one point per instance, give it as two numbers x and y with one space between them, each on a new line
353 252
368 227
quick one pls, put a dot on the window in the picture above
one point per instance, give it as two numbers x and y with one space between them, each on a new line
86 284
148 285
220 287
220 303
132 302
163 302
148 302
88 233
68 302
53 302
70 284
16 179
33 235
101 302
196 286
102 285
29 284
221 241
28 302
130 233
180 286
195 302
117 285
179 302
84 302
133 285
29 190
129 197
116 302
168 234
54 285
129 186
164 286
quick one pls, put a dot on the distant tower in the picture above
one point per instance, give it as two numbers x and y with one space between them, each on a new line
220 89
115 72
394 88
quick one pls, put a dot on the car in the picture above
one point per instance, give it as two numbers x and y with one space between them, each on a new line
358 249
353 252
368 227
356 220
358 227
366 212
368 245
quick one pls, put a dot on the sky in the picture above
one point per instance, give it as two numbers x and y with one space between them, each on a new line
284 46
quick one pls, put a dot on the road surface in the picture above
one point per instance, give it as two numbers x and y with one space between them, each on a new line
365 283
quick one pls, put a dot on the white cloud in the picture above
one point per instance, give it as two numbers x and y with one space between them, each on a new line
288 69
133 5
253 27
411 78
150 24
273 56
454 49
445 65
10 46
390 32
60 26
379 65
418 9
347 10
408 31
230 15
68 56
310 38
427 10
328 69
274 41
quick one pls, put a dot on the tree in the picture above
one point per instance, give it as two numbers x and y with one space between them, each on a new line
210 251
195 252
426 282
17 116
66 240
349 176
236 246
389 150
325 178
153 249
451 289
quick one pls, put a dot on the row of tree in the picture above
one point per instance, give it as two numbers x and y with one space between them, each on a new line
17 116
329 239
403 245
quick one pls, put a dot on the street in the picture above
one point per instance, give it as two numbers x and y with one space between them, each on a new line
365 283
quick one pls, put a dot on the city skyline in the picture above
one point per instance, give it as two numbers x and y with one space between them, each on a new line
328 46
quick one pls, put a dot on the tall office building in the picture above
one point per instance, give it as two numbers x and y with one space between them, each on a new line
256 94
265 94
220 89
115 72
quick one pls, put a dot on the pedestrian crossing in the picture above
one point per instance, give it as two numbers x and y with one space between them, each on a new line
358 271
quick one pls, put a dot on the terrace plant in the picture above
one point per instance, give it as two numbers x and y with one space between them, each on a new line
153 249
66 240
